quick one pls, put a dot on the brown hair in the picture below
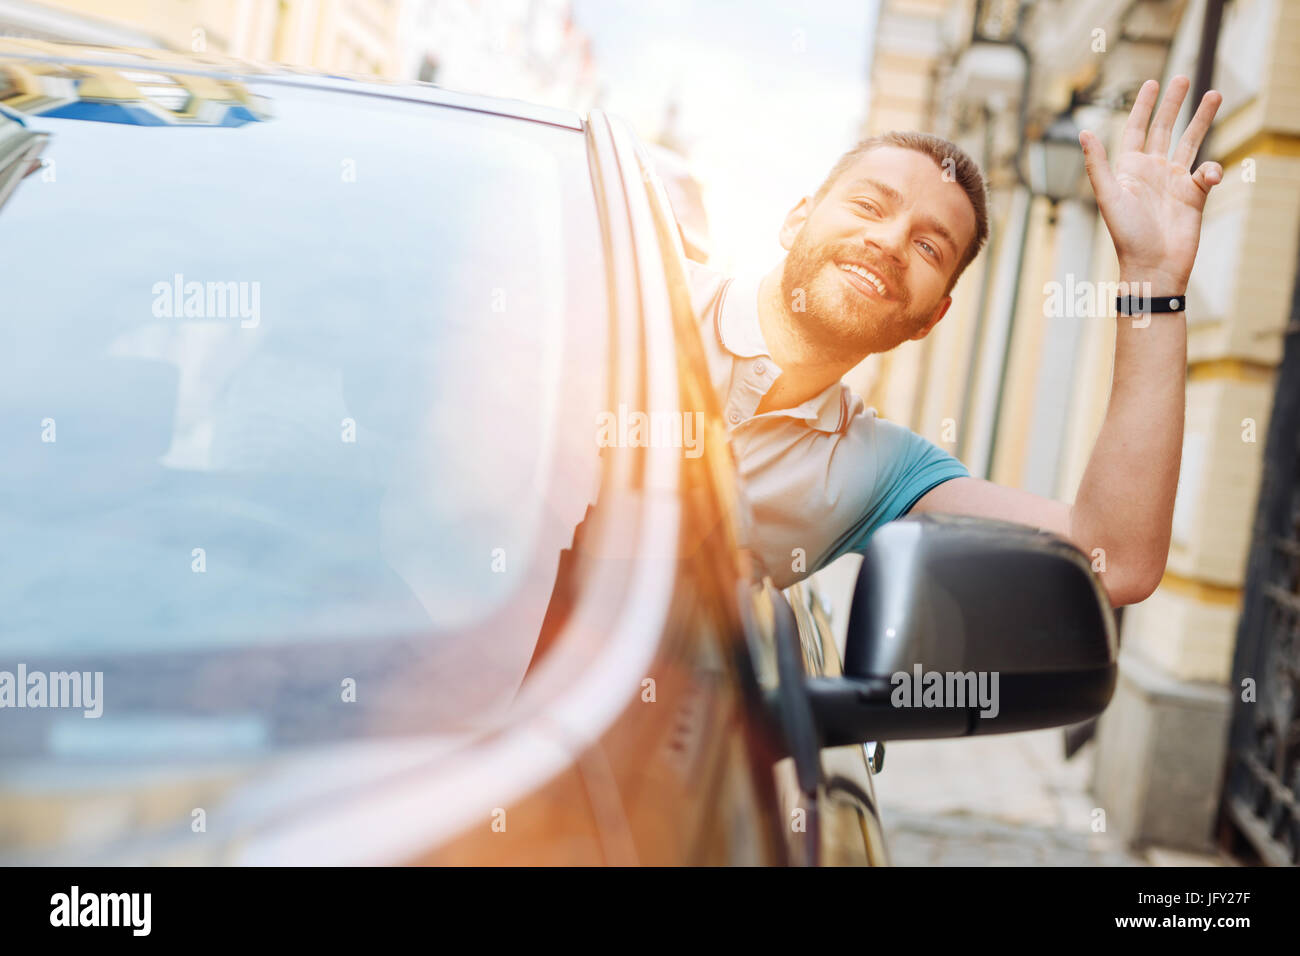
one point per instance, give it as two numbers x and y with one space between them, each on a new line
946 155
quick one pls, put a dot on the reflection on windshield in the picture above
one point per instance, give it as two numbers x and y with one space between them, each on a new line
106 94
20 149
280 410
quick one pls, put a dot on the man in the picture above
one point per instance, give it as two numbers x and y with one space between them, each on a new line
872 259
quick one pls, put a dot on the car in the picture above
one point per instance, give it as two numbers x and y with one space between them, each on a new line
326 539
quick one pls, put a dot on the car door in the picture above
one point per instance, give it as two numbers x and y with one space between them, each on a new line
851 832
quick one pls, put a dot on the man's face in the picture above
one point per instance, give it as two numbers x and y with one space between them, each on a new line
892 214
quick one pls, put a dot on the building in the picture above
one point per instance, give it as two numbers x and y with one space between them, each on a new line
524 49
1018 391
344 36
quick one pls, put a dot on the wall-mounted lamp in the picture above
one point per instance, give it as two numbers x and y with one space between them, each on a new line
1054 161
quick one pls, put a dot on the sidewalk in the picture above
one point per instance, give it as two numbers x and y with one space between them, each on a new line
1006 800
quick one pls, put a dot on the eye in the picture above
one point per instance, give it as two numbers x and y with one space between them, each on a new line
868 205
933 251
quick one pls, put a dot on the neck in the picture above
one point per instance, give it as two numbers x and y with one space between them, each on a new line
807 368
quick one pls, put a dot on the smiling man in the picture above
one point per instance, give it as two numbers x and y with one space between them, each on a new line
872 258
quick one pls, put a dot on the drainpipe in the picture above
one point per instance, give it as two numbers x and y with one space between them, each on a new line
1210 26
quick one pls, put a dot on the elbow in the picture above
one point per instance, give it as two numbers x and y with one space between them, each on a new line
1123 594
1137 584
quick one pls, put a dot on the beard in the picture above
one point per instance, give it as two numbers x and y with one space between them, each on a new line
837 319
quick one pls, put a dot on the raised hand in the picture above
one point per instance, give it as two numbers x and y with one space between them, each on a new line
1152 204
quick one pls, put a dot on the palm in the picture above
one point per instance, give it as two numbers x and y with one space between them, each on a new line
1157 209
1152 204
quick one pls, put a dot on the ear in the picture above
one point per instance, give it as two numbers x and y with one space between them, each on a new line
794 221
939 311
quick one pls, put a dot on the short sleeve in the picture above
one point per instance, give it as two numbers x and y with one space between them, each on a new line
907 466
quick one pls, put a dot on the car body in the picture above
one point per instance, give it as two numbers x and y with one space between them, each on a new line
298 378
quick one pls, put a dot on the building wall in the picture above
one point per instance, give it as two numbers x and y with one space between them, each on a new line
527 49
346 36
1023 361
1243 284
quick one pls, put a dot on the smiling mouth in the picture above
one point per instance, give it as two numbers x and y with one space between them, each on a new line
864 280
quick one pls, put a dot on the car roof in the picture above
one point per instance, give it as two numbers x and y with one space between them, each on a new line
219 66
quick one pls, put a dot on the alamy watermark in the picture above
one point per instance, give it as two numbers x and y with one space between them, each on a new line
176 298
624 429
1085 299
76 908
56 689
956 689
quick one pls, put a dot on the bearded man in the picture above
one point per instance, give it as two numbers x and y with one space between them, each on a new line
872 259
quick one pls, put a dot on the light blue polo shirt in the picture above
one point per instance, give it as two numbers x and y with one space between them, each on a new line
819 478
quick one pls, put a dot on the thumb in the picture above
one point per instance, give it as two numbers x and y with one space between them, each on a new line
1099 174
1207 176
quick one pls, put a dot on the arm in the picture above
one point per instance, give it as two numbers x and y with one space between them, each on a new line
1152 207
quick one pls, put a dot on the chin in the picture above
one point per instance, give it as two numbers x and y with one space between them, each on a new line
833 325
850 304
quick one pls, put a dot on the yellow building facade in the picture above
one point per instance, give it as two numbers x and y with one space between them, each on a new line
345 36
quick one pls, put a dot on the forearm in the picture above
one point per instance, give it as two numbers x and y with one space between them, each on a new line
1125 501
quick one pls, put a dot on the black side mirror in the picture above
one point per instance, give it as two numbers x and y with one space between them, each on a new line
967 626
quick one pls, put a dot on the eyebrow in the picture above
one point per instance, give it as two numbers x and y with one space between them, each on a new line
894 196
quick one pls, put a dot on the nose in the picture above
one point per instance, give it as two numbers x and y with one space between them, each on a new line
889 240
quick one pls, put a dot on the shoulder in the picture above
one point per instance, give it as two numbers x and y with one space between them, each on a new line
890 442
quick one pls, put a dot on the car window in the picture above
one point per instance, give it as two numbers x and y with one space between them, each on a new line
292 399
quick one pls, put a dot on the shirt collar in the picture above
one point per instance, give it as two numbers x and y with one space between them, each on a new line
740 333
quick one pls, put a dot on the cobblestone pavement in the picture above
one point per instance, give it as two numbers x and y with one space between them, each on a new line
1006 800
967 840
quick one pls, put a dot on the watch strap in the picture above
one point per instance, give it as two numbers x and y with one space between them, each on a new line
1138 304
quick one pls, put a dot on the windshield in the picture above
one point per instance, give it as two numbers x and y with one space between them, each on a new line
288 447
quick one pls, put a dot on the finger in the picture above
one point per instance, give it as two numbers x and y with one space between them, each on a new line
1099 172
1162 130
1208 176
1197 129
1135 130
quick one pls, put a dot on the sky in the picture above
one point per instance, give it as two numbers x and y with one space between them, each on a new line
770 94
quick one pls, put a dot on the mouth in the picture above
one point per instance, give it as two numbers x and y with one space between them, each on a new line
864 280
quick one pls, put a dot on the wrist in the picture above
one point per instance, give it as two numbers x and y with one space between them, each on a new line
1144 281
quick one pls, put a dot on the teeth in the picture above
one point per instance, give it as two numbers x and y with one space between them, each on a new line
869 276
